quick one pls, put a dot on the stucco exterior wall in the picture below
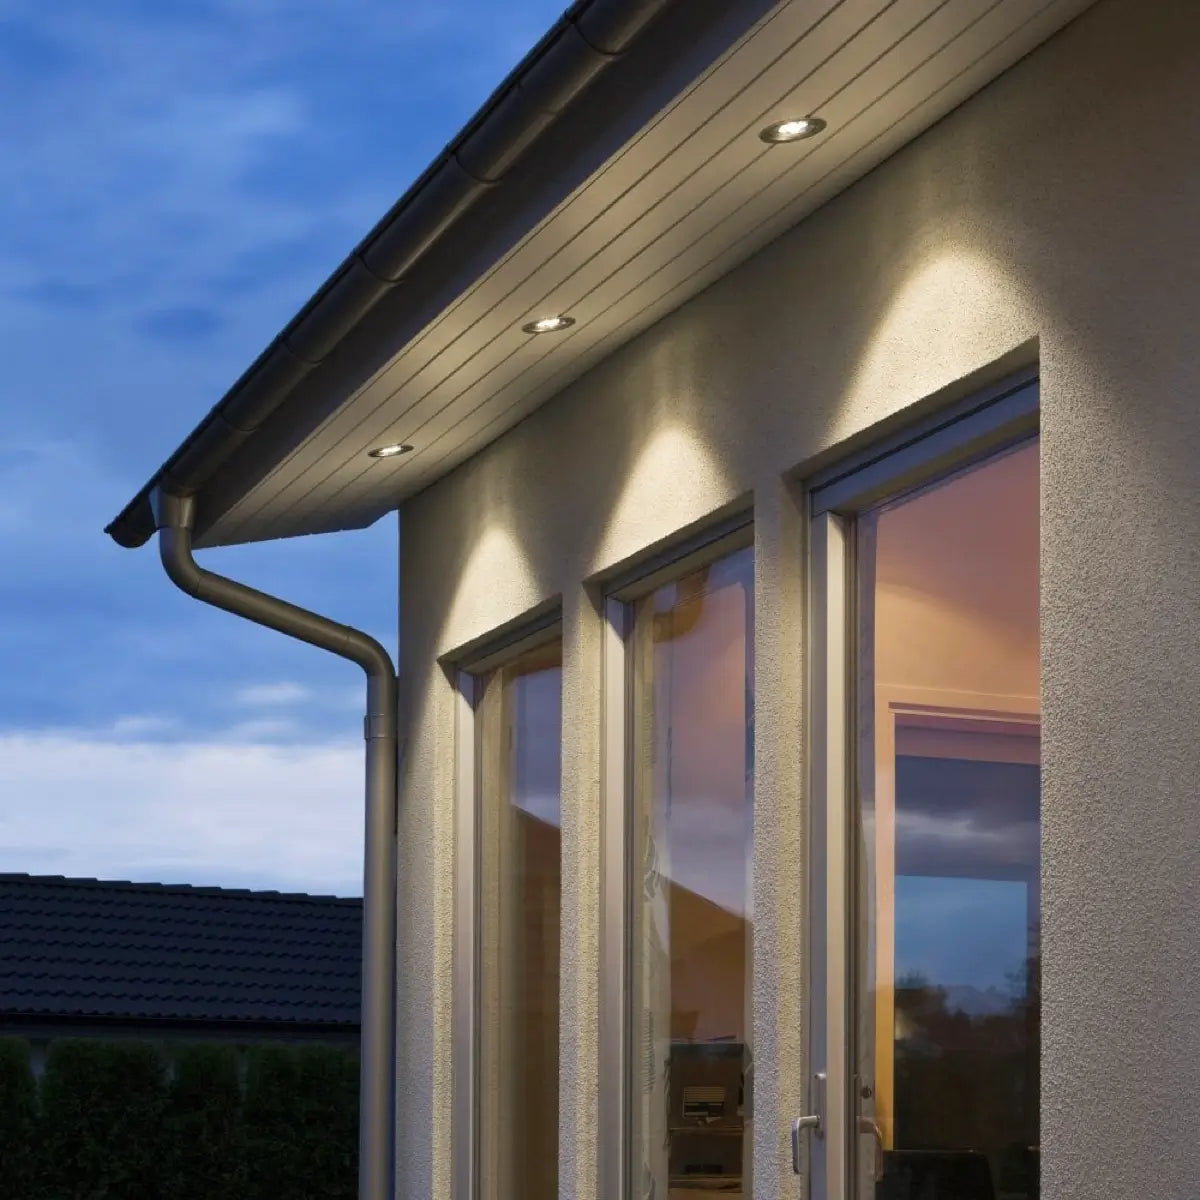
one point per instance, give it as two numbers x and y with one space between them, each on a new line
1055 218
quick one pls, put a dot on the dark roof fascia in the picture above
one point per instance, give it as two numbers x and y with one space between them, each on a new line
581 46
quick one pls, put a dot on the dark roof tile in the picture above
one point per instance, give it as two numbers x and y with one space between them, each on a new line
76 948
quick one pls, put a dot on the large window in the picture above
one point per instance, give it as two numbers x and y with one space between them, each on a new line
948 830
513 923
690 692
926 612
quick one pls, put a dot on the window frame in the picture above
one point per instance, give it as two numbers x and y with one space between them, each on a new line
470 677
620 595
978 427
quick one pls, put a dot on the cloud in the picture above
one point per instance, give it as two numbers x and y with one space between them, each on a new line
135 727
148 151
90 633
210 812
270 695
176 180
268 730
182 322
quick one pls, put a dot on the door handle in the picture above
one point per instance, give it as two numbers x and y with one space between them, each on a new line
799 1125
813 1120
868 1125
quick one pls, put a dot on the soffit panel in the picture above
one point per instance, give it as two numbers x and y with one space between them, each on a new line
694 194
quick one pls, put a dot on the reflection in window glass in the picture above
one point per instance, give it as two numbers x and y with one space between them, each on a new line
691 918
518 919
949 829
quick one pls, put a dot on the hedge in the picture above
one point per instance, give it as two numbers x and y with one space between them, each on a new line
204 1157
111 1121
18 1116
273 1170
301 1123
327 1099
101 1124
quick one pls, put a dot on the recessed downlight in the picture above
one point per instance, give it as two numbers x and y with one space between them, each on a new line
392 450
548 324
794 130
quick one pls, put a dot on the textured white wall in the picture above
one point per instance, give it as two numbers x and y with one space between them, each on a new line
1056 218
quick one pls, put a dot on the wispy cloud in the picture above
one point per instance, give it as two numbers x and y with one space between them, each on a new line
186 170
133 728
176 180
90 634
205 812
271 695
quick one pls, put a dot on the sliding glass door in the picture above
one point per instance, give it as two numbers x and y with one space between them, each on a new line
677 1118
926 807
691 830
509 844
520 882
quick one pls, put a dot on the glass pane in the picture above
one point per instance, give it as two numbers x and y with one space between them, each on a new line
946 1086
520 875
691 842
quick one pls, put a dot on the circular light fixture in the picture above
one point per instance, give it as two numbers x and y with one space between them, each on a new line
390 451
548 325
794 130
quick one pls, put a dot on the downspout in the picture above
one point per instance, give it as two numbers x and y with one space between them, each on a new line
173 518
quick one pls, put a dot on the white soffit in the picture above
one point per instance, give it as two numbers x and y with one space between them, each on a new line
694 194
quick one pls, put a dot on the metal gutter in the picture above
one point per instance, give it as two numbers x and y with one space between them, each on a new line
589 36
174 517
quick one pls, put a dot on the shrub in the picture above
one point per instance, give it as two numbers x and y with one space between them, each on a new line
301 1124
327 1116
101 1122
272 1135
18 1114
203 1157
110 1126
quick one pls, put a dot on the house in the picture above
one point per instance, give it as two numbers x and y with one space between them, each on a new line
169 962
789 786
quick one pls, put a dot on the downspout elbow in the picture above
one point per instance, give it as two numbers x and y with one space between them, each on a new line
175 551
174 516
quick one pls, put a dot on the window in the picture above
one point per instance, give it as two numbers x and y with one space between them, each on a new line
688 840
927 955
510 931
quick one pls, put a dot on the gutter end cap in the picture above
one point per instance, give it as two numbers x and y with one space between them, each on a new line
134 525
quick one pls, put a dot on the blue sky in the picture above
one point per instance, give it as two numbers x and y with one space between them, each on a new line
177 178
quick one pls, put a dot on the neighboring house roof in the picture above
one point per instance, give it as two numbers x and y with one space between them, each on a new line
616 173
84 949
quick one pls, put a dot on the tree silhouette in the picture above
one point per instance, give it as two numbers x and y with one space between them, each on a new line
966 1073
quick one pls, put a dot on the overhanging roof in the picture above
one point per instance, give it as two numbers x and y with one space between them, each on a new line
613 175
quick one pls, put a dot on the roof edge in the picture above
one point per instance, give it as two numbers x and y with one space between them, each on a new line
583 43
189 889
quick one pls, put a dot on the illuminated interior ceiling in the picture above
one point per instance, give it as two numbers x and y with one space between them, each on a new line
688 196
